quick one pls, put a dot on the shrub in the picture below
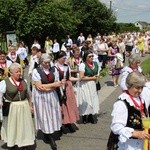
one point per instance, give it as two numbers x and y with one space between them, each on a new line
146 67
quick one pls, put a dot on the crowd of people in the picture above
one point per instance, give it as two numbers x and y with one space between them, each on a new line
63 87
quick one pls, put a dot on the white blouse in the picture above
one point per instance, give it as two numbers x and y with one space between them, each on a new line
124 73
82 68
119 121
3 87
146 94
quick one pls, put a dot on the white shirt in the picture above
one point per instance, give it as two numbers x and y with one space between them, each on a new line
63 48
102 47
81 39
122 47
7 64
33 59
22 52
70 42
56 47
129 42
119 121
36 76
3 87
124 73
146 94
82 68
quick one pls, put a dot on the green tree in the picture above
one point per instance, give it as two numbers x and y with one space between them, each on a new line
10 11
127 27
57 18
95 16
54 18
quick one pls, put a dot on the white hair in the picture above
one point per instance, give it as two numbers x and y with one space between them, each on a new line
14 66
134 58
135 79
45 58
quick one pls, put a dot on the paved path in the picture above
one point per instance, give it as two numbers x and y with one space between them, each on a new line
89 136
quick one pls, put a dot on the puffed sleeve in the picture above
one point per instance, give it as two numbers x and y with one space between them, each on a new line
82 67
36 76
119 121
2 89
145 95
124 73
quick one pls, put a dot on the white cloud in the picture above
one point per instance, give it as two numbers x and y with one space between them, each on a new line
130 10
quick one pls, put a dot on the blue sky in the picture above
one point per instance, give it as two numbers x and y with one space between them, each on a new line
130 11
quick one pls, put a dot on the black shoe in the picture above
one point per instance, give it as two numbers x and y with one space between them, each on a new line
64 130
71 129
46 138
75 126
52 143
84 119
92 119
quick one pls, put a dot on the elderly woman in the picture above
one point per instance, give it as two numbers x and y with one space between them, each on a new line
17 127
88 101
45 100
12 55
127 112
134 65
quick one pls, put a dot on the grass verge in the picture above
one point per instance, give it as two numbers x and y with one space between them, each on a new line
146 67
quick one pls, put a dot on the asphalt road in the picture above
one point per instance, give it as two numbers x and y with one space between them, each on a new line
89 136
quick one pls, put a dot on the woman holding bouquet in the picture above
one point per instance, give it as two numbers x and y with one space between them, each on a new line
88 99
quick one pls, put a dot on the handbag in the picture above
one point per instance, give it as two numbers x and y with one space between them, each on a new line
5 108
61 95
112 143
98 85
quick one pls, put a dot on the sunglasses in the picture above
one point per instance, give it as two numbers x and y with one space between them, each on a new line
91 56
64 57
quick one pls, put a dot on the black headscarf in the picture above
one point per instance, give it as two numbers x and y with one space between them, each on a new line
86 53
60 55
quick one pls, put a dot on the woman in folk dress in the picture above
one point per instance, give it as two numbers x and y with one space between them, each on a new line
70 114
45 100
88 101
127 114
17 127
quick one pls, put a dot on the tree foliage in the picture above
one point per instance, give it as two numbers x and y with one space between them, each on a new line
95 16
57 18
127 27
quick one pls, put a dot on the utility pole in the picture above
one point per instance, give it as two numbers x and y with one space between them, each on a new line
110 5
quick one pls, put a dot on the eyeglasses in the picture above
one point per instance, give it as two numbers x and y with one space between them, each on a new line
139 87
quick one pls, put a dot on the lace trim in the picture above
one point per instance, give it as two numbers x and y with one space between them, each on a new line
126 97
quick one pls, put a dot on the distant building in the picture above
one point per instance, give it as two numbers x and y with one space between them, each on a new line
142 25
